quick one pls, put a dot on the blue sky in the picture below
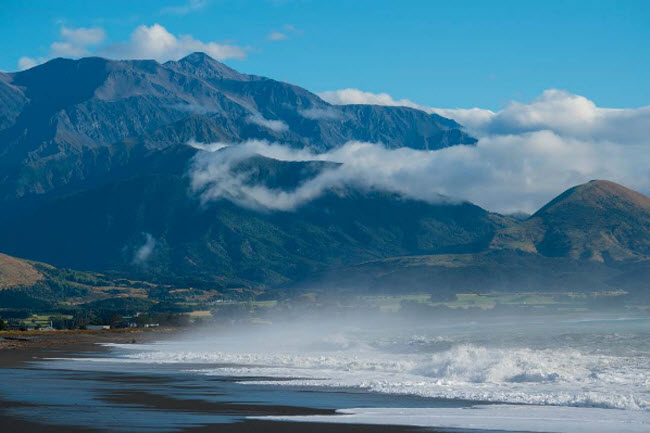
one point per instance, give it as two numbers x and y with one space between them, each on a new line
444 54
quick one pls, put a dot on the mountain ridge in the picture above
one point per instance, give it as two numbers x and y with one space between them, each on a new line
66 119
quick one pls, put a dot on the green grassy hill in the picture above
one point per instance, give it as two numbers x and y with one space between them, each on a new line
599 220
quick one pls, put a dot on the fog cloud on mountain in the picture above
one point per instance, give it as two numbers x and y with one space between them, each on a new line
527 152
561 112
273 125
328 113
143 252
502 173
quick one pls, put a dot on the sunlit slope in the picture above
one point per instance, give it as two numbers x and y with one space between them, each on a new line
599 220
595 236
16 272
32 286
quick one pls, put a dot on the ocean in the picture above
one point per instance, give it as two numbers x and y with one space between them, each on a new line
542 374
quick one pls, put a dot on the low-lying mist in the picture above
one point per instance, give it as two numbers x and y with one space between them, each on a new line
592 360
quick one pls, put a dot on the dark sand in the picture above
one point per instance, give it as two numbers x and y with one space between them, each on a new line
23 347
17 348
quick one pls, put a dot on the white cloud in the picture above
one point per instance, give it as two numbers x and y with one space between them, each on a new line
273 125
212 176
571 115
28 62
471 118
186 8
554 110
65 49
356 96
143 252
83 36
76 42
208 147
327 113
155 42
287 30
526 155
276 36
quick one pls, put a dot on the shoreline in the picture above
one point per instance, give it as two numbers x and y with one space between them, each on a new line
226 416
17 340
17 347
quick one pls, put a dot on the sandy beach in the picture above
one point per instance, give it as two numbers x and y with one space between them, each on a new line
23 353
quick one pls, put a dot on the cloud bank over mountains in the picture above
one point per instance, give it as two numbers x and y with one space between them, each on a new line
273 125
526 153
554 110
364 165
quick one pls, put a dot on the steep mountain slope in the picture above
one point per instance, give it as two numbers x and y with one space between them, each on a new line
104 228
66 122
27 287
13 101
491 271
594 236
348 240
94 168
599 220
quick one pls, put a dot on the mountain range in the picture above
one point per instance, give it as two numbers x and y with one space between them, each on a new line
94 161
68 124
591 237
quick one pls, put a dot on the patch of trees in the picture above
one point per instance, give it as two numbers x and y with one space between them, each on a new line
86 278
56 289
19 300
127 305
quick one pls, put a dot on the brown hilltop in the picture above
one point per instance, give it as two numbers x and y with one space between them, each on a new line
599 220
602 196
16 272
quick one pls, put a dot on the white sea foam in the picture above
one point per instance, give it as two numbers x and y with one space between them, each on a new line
492 417
564 377
587 365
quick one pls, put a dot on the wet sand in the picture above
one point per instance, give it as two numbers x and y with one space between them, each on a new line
21 341
229 416
18 347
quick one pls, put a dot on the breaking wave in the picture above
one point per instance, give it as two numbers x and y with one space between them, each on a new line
573 371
